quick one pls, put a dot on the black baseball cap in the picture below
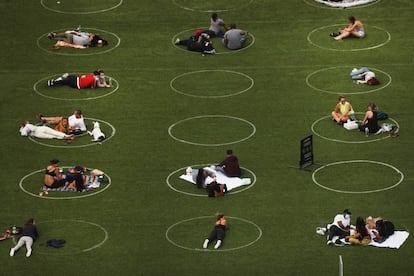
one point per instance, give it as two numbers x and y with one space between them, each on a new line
346 211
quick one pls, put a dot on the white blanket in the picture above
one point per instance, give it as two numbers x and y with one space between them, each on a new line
231 182
393 241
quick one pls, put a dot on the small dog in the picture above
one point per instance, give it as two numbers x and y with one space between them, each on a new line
98 135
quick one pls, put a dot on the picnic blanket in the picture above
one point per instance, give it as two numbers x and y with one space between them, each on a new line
393 241
231 182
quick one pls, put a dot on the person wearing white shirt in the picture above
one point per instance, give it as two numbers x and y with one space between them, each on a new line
339 228
76 122
43 132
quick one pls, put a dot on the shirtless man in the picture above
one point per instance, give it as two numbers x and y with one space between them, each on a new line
355 28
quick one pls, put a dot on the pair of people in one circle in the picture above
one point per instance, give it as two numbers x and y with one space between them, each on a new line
344 112
233 38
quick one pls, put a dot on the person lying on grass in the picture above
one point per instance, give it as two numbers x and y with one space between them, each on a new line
76 39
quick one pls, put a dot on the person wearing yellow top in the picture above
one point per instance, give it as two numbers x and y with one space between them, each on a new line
343 111
218 232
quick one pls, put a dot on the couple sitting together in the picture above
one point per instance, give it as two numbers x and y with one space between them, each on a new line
344 113
376 229
208 177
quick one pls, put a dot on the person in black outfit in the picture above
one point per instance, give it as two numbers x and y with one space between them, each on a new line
28 236
370 122
218 232
199 42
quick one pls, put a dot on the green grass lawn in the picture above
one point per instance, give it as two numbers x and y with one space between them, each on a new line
169 109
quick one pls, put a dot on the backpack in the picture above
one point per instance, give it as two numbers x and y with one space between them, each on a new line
381 115
55 243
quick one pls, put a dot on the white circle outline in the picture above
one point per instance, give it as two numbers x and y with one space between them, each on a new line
358 161
348 50
210 97
80 12
209 250
83 250
350 142
218 53
75 89
211 116
79 146
78 54
330 8
63 198
190 9
345 93
167 180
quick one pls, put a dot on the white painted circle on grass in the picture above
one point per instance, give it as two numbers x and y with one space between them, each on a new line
259 234
109 92
91 143
205 72
382 137
362 179
352 49
80 52
80 249
228 51
83 194
346 93
212 144
313 4
42 2
189 8
205 195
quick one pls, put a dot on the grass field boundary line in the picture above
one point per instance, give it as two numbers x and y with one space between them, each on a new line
80 12
358 161
167 180
62 198
260 233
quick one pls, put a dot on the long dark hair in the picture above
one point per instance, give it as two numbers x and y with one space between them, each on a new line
200 178
30 221
360 226
351 19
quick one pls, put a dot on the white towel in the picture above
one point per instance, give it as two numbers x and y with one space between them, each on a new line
231 182
393 241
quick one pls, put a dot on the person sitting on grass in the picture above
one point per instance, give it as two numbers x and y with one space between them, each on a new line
76 123
217 26
361 235
339 228
235 38
199 42
364 76
354 29
343 111
76 39
218 233
230 165
97 79
370 121
42 132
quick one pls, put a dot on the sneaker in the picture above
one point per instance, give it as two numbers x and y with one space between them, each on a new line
366 132
11 252
65 75
329 242
217 244
177 41
338 242
28 253
50 82
205 244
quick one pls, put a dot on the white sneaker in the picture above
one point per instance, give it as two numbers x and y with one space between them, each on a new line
28 253
11 252
218 243
177 41
65 75
366 132
329 242
205 244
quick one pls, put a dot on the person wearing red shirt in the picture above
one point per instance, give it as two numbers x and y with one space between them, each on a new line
97 79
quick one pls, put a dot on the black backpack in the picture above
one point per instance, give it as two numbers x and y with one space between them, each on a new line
55 243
